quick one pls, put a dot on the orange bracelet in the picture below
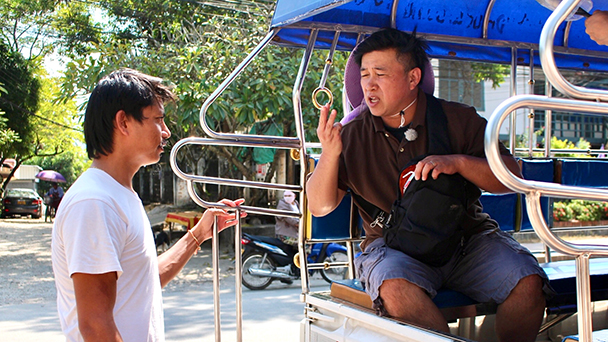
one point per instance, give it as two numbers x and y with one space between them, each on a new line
198 244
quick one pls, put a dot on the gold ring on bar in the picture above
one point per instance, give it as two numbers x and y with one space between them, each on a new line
322 90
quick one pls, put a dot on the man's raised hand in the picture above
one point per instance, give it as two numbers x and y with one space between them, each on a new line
328 132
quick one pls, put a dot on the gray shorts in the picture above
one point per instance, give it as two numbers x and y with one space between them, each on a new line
486 269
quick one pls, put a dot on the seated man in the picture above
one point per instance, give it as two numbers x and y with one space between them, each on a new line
367 156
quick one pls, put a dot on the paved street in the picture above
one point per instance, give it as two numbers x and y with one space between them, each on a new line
28 310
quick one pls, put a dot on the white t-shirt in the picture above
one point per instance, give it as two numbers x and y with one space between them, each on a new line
102 227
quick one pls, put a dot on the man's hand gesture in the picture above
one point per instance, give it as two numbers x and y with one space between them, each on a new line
328 132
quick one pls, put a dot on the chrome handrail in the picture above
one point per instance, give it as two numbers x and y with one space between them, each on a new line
220 89
547 59
534 189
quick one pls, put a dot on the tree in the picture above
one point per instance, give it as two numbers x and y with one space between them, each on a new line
18 103
196 47
26 26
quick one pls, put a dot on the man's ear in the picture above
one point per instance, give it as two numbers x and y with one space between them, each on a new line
414 76
121 122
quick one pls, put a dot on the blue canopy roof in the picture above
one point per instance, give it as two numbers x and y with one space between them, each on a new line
454 28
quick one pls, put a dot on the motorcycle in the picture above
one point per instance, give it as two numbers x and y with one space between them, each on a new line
266 259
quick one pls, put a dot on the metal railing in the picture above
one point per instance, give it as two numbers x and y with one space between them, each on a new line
296 144
534 189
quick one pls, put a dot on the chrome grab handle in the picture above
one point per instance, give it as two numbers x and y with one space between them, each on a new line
267 39
191 179
534 189
527 186
547 59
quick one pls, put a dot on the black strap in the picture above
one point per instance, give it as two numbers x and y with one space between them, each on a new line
438 141
437 127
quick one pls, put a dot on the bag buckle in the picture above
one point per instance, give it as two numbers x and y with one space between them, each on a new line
379 221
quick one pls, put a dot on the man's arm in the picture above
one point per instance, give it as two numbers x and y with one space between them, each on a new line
173 261
322 186
597 27
474 169
95 300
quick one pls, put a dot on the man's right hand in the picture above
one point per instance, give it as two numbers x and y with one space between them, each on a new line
322 186
328 132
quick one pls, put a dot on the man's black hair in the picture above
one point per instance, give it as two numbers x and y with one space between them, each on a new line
124 89
411 50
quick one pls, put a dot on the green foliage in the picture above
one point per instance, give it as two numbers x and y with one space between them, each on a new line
582 144
195 48
490 72
580 210
25 26
562 212
20 101
77 31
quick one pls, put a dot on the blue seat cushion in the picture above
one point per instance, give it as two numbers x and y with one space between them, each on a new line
504 208
538 170
562 278
591 172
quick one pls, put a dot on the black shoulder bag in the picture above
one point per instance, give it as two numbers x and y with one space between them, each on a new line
425 222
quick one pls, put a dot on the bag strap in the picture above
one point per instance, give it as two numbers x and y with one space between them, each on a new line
438 141
437 127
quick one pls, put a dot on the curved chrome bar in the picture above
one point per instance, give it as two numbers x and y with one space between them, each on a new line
533 189
330 60
248 209
226 181
394 14
223 87
548 61
486 18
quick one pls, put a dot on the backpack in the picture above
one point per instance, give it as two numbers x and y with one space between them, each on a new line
426 220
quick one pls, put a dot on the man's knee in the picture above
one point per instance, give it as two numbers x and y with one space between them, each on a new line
397 294
398 285
529 288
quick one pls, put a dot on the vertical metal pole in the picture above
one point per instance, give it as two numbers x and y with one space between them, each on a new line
513 92
548 128
238 274
350 250
548 120
304 168
531 115
330 60
215 259
583 298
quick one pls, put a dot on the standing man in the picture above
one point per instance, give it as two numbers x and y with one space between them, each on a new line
107 273
367 156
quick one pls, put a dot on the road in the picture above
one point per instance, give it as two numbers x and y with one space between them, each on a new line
28 311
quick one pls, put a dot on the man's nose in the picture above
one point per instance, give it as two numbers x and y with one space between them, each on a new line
369 83
166 133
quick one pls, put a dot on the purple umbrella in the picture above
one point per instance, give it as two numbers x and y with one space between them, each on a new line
51 176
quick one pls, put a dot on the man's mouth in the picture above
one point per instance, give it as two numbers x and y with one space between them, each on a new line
163 144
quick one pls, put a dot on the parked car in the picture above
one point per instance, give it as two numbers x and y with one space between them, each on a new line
21 202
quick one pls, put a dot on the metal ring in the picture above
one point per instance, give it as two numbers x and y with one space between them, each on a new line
295 154
324 90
